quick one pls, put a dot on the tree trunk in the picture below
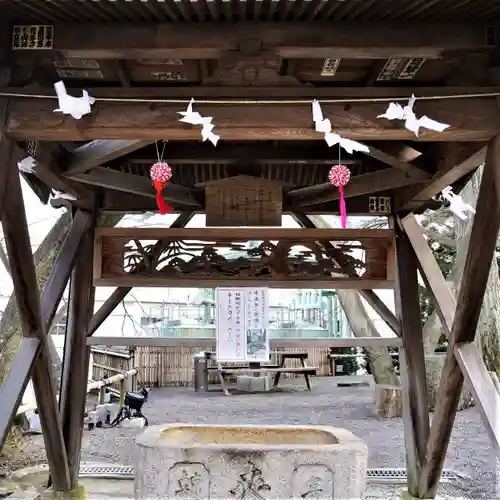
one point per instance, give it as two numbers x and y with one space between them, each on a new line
362 326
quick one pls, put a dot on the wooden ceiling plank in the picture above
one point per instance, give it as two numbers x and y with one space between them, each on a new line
129 121
379 40
135 184
98 152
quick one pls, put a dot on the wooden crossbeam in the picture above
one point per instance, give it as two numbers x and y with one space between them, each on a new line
454 162
121 292
358 185
430 272
358 121
24 279
61 270
413 375
379 40
47 169
137 185
485 393
15 382
480 253
97 153
76 354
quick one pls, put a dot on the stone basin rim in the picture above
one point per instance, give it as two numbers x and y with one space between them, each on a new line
152 438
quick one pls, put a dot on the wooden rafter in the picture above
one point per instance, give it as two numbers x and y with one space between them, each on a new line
128 121
23 273
97 153
454 162
142 186
470 297
359 185
287 39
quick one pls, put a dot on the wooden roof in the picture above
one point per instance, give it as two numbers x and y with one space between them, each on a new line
34 11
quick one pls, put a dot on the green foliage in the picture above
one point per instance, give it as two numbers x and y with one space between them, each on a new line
350 366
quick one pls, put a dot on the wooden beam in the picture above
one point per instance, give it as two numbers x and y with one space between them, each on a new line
97 153
486 396
372 182
76 355
260 92
6 154
383 236
147 121
120 202
290 40
413 375
482 245
15 382
430 272
137 185
121 292
382 310
395 162
274 343
17 242
369 295
61 270
47 168
454 161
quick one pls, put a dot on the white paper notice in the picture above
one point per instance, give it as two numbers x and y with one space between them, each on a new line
257 332
242 324
230 324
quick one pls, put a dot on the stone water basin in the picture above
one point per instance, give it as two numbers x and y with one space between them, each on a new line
249 462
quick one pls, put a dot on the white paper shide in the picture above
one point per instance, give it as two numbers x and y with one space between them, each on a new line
457 204
405 113
242 324
194 118
77 107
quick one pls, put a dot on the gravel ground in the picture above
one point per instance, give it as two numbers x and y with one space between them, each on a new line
470 452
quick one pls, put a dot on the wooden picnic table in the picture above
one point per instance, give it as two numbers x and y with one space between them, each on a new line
258 368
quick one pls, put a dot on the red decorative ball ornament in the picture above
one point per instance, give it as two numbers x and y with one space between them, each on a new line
339 176
161 173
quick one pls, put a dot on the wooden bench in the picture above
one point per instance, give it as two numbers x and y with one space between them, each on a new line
307 371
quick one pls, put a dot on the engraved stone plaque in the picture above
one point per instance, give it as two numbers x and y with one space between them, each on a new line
312 481
189 480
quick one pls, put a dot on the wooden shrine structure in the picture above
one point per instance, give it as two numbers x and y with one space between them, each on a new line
255 67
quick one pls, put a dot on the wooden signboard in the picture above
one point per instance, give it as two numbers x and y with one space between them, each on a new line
243 201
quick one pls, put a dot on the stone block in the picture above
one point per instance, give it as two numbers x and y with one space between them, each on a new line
218 462
249 383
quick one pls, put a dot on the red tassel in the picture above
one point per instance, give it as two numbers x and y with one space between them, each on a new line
163 207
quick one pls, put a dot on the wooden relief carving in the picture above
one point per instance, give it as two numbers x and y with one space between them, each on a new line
312 481
189 480
222 256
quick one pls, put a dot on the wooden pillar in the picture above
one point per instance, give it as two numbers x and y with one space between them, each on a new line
76 354
412 362
482 245
17 242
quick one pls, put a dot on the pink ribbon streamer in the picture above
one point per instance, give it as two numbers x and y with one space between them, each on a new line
343 209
